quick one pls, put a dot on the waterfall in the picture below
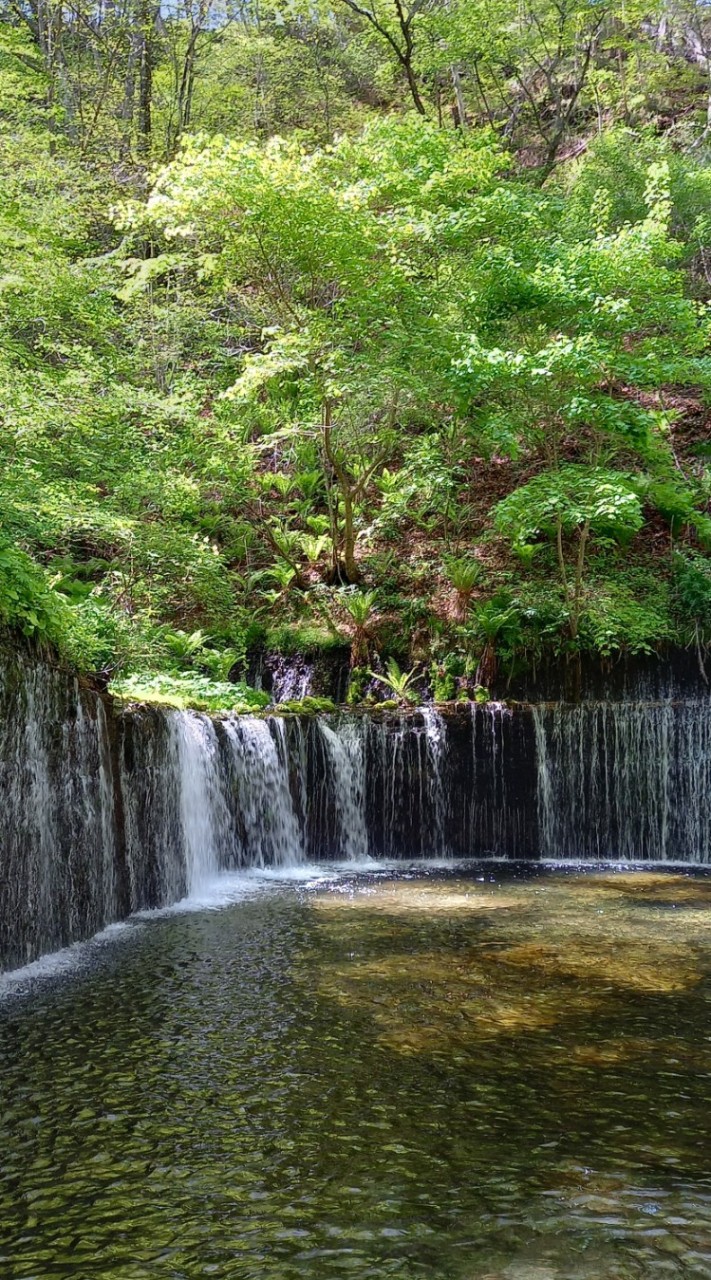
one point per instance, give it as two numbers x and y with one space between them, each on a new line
395 786
107 812
204 810
292 679
345 750
58 860
497 815
260 769
149 791
432 777
625 781
408 790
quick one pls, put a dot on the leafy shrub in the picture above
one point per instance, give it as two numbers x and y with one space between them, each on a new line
28 602
464 575
571 496
444 677
401 682
218 663
357 685
692 587
626 616
190 691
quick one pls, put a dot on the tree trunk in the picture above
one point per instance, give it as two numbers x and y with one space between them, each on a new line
578 589
459 96
347 567
186 86
146 24
406 61
352 572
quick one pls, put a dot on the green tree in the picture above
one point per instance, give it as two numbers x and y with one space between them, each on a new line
572 506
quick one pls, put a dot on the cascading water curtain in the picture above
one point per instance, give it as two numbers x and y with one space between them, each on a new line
104 814
627 781
59 871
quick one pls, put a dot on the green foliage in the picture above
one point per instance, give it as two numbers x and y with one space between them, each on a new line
578 503
443 678
692 588
571 498
26 600
678 504
307 638
309 706
193 691
360 605
218 663
271 357
497 618
357 683
624 616
401 682
182 647
314 547
463 574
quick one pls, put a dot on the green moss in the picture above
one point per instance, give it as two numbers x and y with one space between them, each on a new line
304 638
306 706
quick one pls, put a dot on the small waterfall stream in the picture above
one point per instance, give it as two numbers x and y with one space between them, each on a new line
345 749
432 777
104 813
204 809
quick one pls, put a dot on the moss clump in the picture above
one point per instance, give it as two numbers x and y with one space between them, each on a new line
306 639
308 706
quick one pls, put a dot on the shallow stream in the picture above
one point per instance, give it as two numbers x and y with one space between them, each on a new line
476 1075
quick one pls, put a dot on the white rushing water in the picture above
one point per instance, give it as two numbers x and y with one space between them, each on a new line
345 750
260 763
204 811
57 818
432 776
292 680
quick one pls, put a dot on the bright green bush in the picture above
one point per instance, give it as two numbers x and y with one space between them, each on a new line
190 691
28 603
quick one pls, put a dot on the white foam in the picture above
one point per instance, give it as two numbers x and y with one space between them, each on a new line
66 961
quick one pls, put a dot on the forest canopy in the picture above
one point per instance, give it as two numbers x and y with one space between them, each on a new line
380 326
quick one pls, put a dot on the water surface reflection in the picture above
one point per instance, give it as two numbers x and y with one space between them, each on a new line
458 1077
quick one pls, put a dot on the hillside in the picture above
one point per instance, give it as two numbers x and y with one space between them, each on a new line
335 331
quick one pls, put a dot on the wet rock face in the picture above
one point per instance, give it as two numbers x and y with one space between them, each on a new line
678 674
460 784
62 870
291 677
